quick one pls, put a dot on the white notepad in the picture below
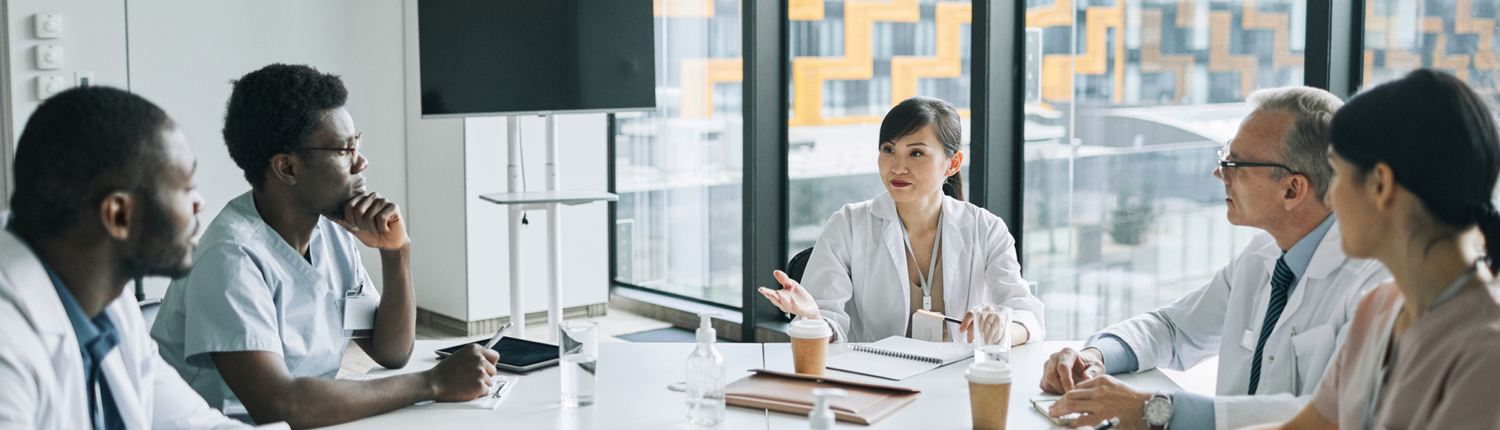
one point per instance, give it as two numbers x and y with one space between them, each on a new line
500 385
898 357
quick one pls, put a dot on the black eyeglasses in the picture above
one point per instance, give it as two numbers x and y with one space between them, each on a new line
1225 162
351 149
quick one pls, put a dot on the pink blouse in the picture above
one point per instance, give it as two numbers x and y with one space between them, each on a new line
1447 369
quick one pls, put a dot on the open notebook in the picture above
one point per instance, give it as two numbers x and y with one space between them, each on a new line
898 358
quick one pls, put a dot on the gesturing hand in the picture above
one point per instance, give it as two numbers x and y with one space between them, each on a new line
792 298
1068 367
375 221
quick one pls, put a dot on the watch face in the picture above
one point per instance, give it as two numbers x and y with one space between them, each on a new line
1158 411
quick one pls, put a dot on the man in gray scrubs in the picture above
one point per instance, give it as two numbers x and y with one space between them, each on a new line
258 327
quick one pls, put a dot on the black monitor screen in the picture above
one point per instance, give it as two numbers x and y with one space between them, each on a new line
492 57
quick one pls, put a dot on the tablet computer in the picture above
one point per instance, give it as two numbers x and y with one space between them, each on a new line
516 355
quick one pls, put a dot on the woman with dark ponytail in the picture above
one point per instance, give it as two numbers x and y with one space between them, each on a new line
1415 164
917 247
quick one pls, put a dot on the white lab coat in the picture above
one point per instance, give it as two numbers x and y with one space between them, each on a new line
41 366
1224 318
857 271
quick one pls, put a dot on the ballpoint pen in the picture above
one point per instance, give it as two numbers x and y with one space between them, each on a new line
1108 424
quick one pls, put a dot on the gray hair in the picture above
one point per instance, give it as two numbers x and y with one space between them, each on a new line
1305 142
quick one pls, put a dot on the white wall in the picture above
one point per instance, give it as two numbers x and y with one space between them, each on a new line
93 40
183 54
585 240
459 243
5 117
434 155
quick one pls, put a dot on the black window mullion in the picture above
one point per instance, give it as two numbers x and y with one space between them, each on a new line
765 45
997 117
1335 38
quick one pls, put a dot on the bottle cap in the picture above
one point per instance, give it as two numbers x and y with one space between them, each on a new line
821 417
706 333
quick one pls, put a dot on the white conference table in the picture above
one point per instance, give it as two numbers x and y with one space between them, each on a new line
632 393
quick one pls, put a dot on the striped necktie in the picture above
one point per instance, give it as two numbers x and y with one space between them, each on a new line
1281 287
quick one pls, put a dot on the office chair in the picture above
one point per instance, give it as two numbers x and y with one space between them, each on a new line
798 265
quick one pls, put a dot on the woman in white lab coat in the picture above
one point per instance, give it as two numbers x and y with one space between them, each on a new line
918 246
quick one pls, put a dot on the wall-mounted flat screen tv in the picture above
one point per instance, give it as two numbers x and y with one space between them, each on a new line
511 57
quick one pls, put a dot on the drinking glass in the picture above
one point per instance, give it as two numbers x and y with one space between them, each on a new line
578 349
992 333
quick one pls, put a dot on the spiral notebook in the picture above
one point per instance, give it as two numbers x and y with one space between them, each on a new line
898 357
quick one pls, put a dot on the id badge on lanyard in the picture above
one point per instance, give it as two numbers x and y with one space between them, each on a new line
924 327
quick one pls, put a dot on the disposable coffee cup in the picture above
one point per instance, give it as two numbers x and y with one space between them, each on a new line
809 345
989 394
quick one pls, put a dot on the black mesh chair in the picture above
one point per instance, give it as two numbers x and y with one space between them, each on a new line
798 264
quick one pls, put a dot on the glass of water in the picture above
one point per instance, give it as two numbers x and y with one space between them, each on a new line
992 333
578 347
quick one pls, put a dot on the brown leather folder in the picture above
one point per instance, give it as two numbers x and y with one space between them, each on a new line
792 393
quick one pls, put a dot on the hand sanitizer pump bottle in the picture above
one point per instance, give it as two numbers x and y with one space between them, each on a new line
821 417
705 377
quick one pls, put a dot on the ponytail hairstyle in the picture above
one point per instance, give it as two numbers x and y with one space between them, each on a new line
1440 141
917 112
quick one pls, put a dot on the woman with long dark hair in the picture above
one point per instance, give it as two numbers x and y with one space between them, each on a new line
1415 164
918 246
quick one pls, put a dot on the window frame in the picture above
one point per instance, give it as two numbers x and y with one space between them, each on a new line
997 98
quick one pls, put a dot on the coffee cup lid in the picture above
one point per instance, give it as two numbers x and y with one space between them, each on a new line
809 329
989 372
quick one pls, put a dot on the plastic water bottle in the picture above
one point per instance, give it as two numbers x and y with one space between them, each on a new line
705 377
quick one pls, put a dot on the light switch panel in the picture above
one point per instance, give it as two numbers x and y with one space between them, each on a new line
49 57
48 86
47 25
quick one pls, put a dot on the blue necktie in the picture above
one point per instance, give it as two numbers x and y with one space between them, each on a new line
1281 287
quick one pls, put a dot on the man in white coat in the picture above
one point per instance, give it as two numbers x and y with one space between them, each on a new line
104 193
1274 316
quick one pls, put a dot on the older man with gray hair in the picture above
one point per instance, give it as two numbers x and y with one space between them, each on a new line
1274 315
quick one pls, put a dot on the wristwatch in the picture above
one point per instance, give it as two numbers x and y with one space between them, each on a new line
1158 411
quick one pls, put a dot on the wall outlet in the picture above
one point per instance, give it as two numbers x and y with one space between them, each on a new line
48 86
47 25
49 57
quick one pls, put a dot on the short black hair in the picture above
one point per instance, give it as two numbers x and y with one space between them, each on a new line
79 146
273 110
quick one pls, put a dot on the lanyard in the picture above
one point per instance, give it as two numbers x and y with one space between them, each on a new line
931 262
1372 397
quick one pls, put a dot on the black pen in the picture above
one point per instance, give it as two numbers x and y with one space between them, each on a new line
1108 424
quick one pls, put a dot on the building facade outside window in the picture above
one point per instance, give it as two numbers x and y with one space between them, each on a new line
1129 104
1455 36
678 169
851 62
